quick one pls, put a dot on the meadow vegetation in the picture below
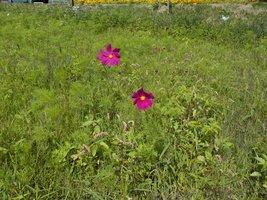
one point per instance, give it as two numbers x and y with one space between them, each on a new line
69 130
159 1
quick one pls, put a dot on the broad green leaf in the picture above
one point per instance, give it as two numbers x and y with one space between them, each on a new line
255 174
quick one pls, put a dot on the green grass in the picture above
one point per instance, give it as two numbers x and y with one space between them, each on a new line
204 137
260 4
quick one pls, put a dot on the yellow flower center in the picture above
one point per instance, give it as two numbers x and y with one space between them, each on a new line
142 98
110 56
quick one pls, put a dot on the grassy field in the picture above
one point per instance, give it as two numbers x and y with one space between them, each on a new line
161 1
69 129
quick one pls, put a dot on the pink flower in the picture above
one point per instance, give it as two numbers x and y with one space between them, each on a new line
109 57
143 100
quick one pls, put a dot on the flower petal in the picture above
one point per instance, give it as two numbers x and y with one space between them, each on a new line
117 54
138 93
149 95
109 48
143 105
117 50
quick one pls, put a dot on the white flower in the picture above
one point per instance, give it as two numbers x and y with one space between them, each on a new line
225 18
75 8
7 14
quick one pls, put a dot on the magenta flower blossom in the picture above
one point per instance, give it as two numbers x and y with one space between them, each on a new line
109 57
143 100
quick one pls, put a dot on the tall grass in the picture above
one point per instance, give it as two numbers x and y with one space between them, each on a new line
69 129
